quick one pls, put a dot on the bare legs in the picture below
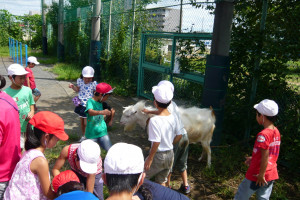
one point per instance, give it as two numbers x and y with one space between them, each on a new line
83 125
183 177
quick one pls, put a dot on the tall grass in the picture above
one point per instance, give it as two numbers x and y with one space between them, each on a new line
66 71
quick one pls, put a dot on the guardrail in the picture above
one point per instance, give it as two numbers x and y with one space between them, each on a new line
15 51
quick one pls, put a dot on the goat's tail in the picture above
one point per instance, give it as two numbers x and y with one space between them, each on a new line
212 112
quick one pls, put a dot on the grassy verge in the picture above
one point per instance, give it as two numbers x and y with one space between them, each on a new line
43 59
4 51
67 71
293 75
228 170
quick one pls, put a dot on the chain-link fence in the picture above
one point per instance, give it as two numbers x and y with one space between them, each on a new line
122 23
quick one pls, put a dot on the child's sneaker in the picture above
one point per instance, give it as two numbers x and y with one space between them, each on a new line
185 189
82 138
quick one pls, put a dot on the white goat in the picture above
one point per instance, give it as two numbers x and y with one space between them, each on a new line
199 123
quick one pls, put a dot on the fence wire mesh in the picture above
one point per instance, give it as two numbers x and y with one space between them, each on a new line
122 22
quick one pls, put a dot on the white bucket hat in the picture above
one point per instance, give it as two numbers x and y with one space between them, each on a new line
89 155
32 59
16 69
166 83
162 93
267 107
88 72
123 158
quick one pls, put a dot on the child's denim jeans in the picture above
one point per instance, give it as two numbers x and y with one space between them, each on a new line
247 188
104 142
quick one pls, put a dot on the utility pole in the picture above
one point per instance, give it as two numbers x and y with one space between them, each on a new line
256 66
95 46
180 18
44 31
217 65
109 30
132 37
60 45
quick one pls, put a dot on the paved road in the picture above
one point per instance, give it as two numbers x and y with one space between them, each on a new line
56 95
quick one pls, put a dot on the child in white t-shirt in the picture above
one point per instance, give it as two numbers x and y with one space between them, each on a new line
163 131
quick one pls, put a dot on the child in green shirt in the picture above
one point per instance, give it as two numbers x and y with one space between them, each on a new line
96 128
22 95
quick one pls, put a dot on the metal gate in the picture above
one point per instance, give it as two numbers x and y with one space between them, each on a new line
177 57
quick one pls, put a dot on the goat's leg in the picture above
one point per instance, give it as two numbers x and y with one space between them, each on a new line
206 148
203 152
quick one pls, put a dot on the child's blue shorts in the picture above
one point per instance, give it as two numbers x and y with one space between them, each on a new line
36 92
80 110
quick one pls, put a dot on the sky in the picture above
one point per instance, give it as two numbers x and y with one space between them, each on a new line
21 7
193 19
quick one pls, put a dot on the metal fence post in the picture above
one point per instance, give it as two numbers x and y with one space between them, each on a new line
26 54
14 50
9 46
21 53
17 45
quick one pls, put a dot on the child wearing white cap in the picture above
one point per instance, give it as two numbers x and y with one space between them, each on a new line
30 82
262 169
85 160
86 87
124 175
163 130
22 96
181 148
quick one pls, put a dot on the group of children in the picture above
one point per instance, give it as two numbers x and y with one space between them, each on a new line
28 177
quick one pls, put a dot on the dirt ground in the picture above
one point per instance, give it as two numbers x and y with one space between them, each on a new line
57 97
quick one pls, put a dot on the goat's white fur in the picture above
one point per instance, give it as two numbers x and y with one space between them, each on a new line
199 123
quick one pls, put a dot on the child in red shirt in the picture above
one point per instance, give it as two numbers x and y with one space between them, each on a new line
262 169
30 82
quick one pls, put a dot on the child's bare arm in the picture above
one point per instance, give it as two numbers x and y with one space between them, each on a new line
31 113
149 160
177 139
60 161
111 117
28 82
40 167
261 181
74 87
99 112
154 112
90 182
248 160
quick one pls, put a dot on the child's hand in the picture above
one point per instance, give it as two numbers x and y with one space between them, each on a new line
248 160
29 115
147 164
106 112
145 110
71 85
261 181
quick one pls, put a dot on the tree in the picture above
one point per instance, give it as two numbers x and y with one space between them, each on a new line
9 27
33 26
279 43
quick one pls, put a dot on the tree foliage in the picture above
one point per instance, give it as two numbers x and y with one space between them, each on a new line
272 48
9 27
33 26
